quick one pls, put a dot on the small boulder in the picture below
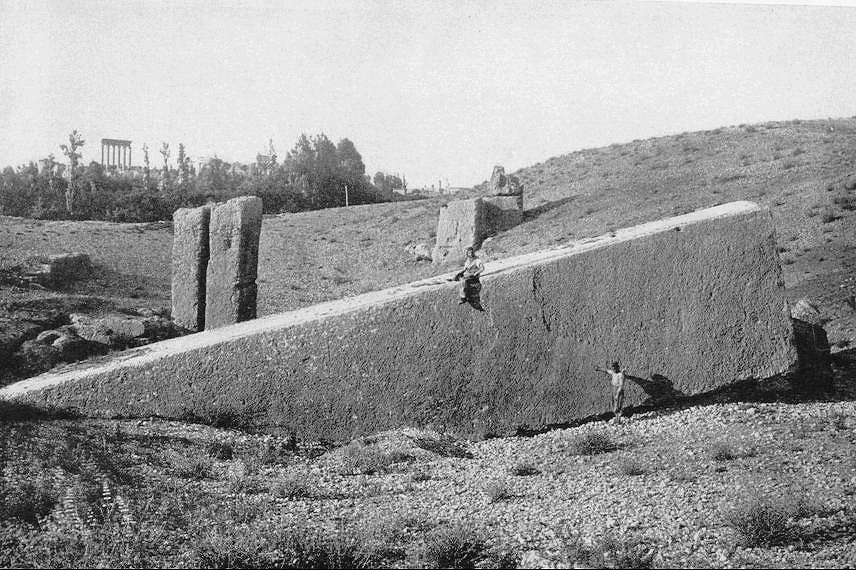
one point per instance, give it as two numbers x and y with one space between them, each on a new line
113 330
48 336
805 311
73 348
419 251
34 358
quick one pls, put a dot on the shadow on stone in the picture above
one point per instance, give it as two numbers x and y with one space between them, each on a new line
542 209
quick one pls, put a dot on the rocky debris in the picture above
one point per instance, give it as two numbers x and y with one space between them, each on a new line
190 252
74 348
20 326
113 330
504 185
57 270
419 251
806 311
48 336
230 283
34 357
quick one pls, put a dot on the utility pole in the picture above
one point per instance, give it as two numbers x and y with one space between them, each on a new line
346 195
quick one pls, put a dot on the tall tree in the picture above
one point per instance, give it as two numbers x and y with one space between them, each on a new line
147 167
75 141
164 181
183 167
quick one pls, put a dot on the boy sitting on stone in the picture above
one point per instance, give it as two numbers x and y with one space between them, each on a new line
469 277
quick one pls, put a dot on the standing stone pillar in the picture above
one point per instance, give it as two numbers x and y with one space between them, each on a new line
189 264
231 289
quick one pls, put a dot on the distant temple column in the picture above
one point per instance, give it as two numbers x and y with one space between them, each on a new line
116 153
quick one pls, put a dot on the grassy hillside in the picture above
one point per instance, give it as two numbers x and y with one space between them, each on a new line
800 169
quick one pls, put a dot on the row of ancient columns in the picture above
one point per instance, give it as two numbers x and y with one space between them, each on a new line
116 155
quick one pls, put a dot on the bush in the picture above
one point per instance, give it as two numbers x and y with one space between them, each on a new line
762 521
524 470
221 450
631 467
624 551
593 444
369 460
292 487
497 491
721 451
454 547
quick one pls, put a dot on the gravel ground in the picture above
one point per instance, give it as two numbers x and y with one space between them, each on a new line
668 486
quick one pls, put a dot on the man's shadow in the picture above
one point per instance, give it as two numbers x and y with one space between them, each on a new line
658 389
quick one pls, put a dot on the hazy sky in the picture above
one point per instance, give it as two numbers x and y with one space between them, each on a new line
429 89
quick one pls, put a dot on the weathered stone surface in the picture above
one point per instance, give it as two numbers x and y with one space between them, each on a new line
112 330
13 333
805 311
497 180
502 213
461 224
47 337
699 308
505 185
419 251
73 348
233 265
34 358
189 265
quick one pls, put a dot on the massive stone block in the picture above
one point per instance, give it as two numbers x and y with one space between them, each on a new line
231 289
695 309
461 224
189 264
502 212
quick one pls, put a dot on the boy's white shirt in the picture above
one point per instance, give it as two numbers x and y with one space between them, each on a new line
473 267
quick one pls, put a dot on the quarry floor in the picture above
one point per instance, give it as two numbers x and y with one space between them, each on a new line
667 488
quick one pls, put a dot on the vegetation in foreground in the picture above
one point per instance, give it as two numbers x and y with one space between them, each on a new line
146 493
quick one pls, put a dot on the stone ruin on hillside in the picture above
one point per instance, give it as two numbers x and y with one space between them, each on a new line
215 258
466 223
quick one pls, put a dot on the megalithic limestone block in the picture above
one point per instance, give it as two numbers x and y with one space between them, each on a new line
189 263
685 312
462 224
502 213
233 264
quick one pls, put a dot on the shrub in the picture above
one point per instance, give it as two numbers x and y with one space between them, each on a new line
292 487
625 551
454 547
721 451
762 521
497 491
524 470
827 216
221 450
592 444
370 460
631 467
192 467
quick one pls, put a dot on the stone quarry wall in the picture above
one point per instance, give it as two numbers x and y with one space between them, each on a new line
696 299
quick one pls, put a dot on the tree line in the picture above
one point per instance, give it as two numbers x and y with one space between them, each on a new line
314 174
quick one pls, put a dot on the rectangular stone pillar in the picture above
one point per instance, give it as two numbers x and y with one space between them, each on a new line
189 264
461 225
233 265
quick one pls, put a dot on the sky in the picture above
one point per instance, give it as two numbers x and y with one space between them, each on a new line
438 90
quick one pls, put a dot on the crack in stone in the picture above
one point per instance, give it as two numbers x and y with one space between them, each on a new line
539 298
